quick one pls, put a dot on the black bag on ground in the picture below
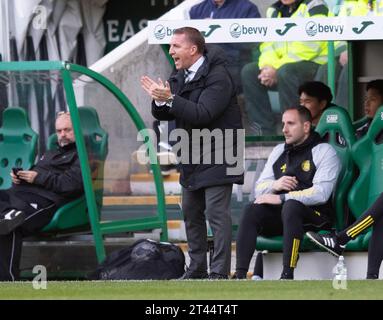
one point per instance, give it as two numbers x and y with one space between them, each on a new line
145 259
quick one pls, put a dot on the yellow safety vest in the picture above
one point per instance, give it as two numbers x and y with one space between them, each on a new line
357 8
360 8
276 54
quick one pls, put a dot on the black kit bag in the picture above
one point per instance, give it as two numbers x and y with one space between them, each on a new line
144 260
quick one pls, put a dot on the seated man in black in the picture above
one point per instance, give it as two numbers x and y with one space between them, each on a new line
35 195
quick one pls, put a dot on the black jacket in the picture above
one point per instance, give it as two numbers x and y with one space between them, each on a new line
59 176
207 102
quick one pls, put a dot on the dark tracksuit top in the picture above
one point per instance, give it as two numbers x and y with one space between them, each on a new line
59 176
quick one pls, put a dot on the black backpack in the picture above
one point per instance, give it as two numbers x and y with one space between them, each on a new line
144 260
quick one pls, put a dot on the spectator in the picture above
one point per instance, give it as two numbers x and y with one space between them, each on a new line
316 97
282 66
36 194
237 53
200 95
372 101
293 193
352 8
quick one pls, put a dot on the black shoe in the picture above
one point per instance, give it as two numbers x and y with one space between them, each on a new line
10 220
328 242
286 276
372 276
189 275
238 276
218 276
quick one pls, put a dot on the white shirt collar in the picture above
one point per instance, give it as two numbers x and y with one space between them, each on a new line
194 67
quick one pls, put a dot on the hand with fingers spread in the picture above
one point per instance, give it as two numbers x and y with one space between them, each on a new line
158 91
285 183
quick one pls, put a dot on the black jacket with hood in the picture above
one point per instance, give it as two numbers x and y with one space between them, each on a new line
209 102
58 177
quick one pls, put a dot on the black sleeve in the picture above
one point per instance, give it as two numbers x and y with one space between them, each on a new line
68 182
161 112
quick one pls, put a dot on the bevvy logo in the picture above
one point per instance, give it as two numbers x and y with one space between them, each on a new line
159 32
236 30
313 28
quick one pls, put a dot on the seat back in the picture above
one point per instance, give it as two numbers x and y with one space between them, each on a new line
18 144
74 214
367 154
360 122
336 127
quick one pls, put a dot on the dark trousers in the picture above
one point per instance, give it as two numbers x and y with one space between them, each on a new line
292 219
373 216
290 77
38 214
215 203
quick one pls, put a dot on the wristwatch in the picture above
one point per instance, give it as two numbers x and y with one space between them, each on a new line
282 196
170 100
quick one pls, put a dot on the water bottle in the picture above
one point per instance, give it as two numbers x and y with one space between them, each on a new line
340 271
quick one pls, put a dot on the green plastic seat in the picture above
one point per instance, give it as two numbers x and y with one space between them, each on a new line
367 154
18 144
74 214
336 127
360 122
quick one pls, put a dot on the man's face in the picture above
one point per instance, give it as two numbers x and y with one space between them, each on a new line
315 106
294 130
288 2
219 2
64 130
182 51
372 101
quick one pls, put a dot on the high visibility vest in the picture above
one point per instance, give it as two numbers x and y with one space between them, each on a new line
357 8
276 54
361 8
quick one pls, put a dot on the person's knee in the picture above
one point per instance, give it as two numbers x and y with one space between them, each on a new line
253 214
291 210
285 72
249 72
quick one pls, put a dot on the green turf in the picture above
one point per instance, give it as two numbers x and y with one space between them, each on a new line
177 290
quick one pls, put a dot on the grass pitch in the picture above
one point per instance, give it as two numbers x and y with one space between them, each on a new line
193 290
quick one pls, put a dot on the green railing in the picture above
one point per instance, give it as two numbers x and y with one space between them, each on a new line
100 228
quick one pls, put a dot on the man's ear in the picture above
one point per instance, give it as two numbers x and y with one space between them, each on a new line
307 126
193 50
322 104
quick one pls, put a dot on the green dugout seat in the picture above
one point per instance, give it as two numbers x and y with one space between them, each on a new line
18 144
74 214
360 122
367 154
336 127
